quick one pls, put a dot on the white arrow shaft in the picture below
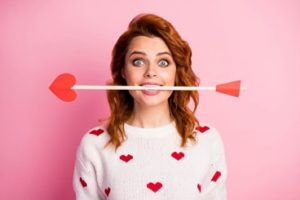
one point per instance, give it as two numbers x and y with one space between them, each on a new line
128 87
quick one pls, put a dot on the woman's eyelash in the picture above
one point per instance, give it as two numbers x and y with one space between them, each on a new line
165 60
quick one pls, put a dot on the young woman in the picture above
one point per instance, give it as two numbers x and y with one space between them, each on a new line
153 146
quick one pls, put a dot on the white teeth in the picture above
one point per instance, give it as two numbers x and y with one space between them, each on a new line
151 85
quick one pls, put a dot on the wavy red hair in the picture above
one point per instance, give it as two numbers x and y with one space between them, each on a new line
121 102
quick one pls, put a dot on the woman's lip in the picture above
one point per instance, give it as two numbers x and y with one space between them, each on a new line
151 92
150 84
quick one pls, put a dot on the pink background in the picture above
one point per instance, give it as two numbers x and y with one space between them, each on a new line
256 41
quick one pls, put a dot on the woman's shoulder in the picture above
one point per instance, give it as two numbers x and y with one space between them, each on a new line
209 137
94 139
208 131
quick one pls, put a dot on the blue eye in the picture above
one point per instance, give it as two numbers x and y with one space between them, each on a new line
164 63
137 62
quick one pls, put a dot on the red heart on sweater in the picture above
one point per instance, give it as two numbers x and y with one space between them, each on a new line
199 187
107 191
216 176
154 187
83 183
97 132
126 158
202 129
177 156
62 85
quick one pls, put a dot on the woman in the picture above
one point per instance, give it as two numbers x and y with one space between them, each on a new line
153 146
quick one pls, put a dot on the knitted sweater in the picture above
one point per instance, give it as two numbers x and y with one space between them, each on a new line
150 164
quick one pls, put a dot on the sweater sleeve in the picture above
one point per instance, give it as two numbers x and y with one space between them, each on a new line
215 180
84 176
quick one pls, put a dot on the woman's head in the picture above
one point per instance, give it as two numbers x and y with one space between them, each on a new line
152 34
151 25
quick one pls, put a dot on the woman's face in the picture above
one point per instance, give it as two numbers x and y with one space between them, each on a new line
149 61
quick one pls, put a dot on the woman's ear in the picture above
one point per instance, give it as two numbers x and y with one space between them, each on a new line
123 74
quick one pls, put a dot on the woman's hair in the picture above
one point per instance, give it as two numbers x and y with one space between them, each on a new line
121 102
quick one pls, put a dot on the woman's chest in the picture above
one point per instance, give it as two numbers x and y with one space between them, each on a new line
158 173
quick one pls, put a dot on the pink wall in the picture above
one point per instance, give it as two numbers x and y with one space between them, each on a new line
257 41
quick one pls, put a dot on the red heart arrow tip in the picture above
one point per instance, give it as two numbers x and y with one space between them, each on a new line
62 87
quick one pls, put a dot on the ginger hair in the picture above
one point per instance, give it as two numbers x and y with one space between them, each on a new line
121 102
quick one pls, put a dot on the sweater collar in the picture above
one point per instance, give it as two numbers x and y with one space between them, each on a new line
157 132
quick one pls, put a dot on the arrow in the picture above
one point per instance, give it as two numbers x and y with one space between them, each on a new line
64 87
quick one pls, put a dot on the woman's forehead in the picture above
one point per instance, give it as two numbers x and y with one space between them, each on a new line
147 45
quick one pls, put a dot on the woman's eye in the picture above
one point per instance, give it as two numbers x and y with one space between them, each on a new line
163 63
137 62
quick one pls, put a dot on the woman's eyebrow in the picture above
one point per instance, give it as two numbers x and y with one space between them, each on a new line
143 53
165 52
137 52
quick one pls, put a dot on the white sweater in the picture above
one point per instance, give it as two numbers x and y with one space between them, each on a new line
150 164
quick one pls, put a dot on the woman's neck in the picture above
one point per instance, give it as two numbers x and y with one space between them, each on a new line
150 117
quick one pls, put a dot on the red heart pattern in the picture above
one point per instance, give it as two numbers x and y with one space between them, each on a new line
202 129
97 132
199 187
177 156
107 191
126 158
216 176
154 187
82 182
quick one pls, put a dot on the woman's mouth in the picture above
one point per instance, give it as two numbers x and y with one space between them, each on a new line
152 91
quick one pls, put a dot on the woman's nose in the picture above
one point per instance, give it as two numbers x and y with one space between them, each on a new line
150 71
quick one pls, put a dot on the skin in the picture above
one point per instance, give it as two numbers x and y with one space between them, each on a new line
149 59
